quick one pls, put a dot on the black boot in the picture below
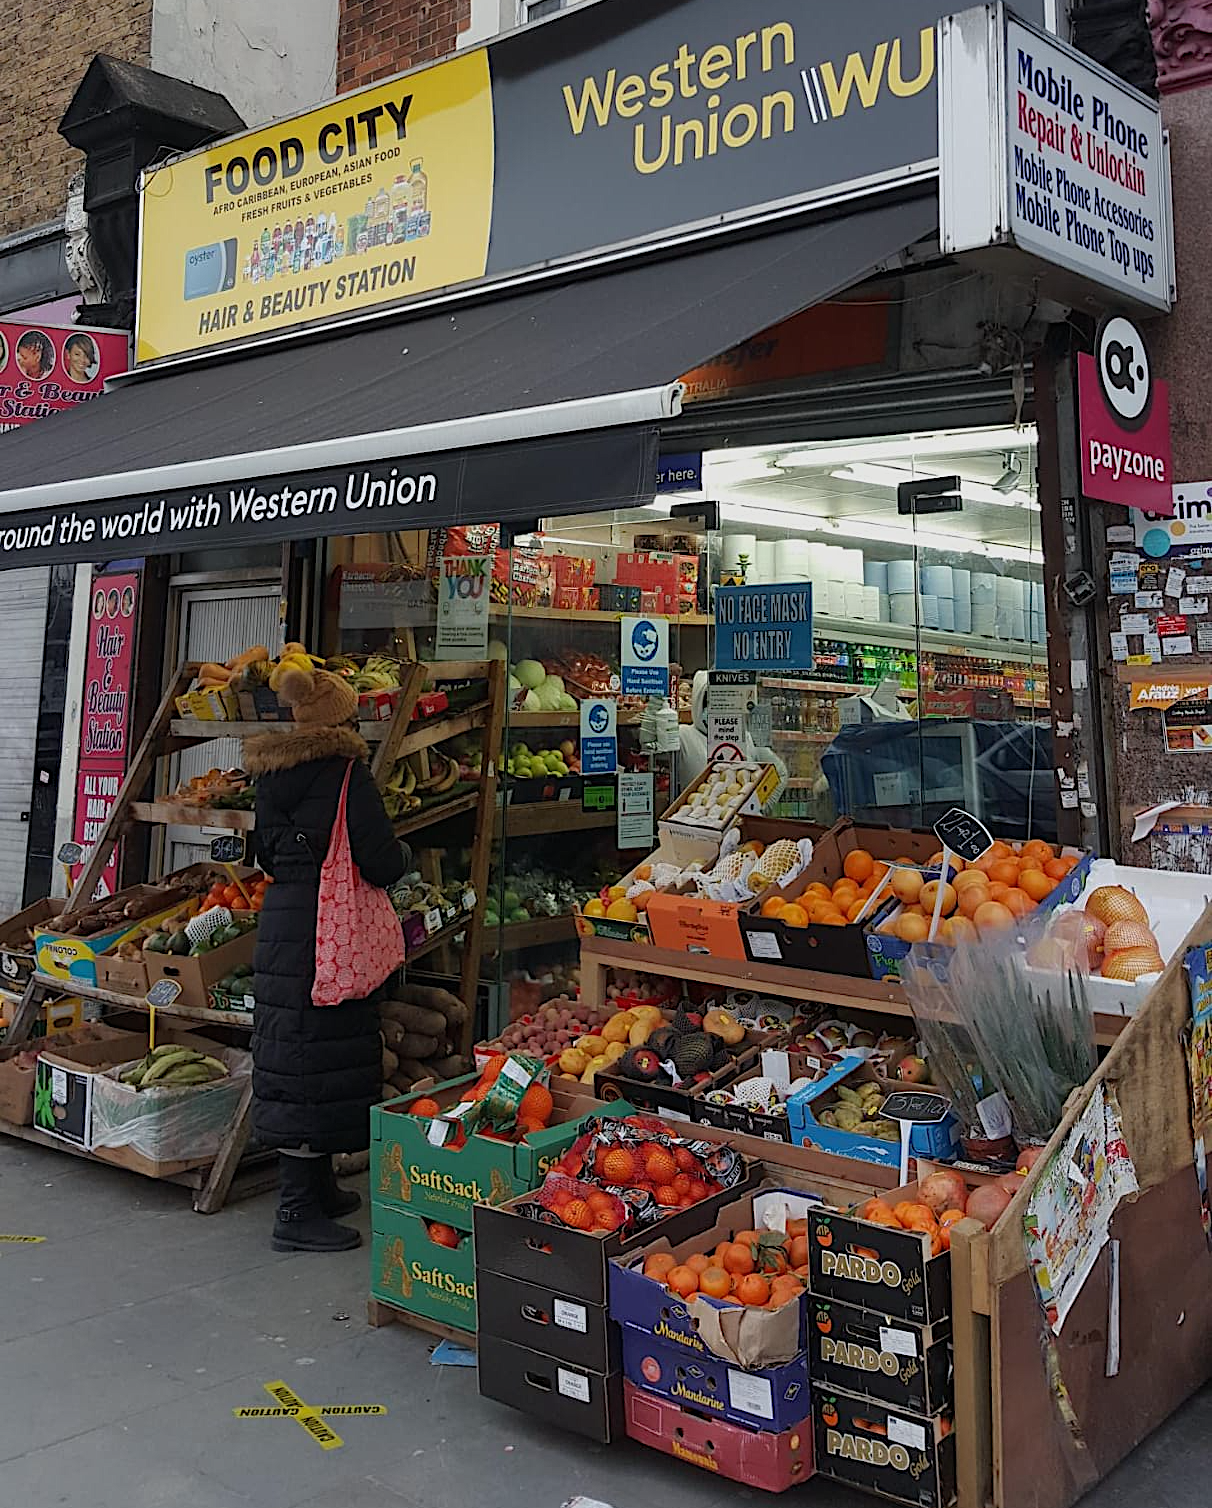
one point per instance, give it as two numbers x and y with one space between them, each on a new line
334 1200
301 1224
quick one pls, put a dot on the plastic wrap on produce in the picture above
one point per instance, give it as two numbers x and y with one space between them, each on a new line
170 1124
993 1026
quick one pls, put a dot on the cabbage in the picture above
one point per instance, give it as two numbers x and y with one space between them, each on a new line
497 650
549 697
566 703
556 681
530 673
531 703
514 683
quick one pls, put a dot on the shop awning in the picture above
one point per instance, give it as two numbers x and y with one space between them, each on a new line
540 402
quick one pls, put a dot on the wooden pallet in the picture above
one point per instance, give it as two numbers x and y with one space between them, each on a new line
380 1313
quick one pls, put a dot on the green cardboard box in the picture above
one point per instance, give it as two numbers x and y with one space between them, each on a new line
412 1272
409 1174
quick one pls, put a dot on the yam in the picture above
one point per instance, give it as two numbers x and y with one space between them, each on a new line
388 1092
416 1071
433 998
391 1062
415 1045
414 1018
452 1067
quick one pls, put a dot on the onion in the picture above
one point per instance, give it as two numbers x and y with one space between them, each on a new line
1112 903
1121 935
943 1191
987 1204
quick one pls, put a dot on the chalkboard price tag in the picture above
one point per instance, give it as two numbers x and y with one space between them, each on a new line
228 850
916 1106
963 834
70 853
163 993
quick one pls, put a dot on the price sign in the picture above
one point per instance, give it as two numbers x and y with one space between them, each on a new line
916 1106
163 993
599 795
70 853
229 850
963 834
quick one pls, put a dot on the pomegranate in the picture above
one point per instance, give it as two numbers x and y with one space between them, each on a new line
987 1204
943 1190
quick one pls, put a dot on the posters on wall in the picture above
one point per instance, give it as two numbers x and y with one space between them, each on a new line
105 712
1068 1219
50 369
764 630
644 656
731 699
463 603
636 810
1124 417
1198 965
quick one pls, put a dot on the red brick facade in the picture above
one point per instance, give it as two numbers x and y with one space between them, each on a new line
377 38
45 48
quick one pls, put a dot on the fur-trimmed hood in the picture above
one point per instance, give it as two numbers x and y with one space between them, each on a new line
270 753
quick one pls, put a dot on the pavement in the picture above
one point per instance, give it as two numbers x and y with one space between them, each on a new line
131 1333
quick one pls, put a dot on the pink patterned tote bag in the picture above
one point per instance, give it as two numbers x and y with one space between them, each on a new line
359 939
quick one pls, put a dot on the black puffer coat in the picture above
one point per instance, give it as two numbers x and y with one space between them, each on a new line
316 1071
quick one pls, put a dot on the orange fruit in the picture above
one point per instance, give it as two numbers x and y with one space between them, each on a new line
1018 902
993 917
599 1199
872 1208
951 1217
912 929
715 1283
819 890
797 1251
537 1104
906 885
1057 869
1000 849
1036 848
1026 865
1005 871
619 1166
998 891
794 916
683 1280
845 888
972 897
833 919
442 1235
970 879
858 865
659 1166
773 906
699 1263
753 1289
955 864
425 1106
855 911
659 1265
738 1259
930 895
958 929
578 1214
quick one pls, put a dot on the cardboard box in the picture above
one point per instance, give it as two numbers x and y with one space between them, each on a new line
16 948
17 1083
443 1183
703 1326
65 1078
540 1319
803 1109
674 848
680 1100
162 1131
760 780
985 703
197 975
74 959
619 597
878 1356
754 1457
766 1125
886 954
572 1262
561 1395
54 1018
261 705
122 976
832 950
416 1274
691 924
876 1267
773 1398
379 706
898 1456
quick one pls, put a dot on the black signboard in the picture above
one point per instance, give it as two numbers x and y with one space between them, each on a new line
229 850
163 993
919 1106
965 835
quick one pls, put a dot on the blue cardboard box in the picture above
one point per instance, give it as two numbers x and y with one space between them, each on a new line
937 1142
769 1398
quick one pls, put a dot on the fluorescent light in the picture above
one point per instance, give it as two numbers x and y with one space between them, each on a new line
907 447
893 476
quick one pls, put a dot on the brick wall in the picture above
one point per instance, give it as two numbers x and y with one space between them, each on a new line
45 46
380 37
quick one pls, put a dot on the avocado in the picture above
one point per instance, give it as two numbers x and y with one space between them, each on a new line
156 943
242 971
178 944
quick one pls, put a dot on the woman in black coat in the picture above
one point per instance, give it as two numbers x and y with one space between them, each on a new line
316 1071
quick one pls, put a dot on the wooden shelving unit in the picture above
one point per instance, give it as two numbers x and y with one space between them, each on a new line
393 739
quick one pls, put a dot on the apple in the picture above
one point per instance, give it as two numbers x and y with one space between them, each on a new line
913 1071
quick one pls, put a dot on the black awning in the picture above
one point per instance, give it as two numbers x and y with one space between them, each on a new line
541 401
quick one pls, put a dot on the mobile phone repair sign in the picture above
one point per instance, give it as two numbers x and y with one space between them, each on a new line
1075 170
764 629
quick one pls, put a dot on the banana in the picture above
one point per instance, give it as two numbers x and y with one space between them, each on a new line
190 1073
170 1060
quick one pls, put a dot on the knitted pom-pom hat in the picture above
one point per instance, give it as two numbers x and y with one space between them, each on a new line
318 697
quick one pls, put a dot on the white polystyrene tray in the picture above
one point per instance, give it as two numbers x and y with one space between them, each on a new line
1175 902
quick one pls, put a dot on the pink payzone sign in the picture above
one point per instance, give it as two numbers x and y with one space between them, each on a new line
1124 416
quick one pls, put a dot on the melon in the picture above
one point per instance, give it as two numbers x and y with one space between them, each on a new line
1112 903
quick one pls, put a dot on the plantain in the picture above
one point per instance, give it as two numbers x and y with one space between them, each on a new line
169 1061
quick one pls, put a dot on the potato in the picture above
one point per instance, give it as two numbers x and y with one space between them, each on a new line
594 1046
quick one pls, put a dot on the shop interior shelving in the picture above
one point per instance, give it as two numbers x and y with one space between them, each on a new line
392 739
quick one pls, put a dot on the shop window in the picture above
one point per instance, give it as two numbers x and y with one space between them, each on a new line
535 10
